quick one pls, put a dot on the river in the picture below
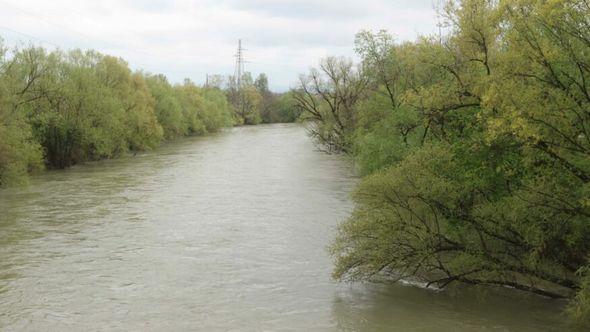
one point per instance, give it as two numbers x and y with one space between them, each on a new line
227 232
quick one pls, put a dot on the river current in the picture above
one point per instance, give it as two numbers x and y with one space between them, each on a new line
227 232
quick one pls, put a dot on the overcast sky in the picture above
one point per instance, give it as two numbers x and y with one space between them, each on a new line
189 38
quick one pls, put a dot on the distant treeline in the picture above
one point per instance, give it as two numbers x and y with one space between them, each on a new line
475 146
60 108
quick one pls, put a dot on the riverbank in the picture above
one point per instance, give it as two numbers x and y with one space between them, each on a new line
62 108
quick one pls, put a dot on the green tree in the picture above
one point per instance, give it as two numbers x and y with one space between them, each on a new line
475 147
245 99
327 98
217 112
282 109
20 154
168 108
251 104
63 108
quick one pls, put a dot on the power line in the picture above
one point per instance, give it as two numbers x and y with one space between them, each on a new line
286 65
50 43
240 61
135 63
238 72
29 36
91 39
86 37
63 27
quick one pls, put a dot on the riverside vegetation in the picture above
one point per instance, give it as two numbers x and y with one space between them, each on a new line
475 146
60 108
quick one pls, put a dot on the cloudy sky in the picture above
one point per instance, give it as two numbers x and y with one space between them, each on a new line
190 38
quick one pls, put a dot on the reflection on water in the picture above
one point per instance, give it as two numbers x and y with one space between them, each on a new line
222 233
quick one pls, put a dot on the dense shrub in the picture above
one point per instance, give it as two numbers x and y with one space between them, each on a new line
475 146
62 108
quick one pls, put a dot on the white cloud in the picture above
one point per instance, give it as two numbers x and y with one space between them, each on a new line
189 38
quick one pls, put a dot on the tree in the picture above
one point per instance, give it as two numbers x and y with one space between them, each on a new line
167 107
251 104
327 98
282 109
216 110
216 81
76 106
261 84
20 154
379 62
246 99
476 152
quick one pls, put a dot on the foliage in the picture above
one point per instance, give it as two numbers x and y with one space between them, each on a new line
580 307
168 109
19 153
246 99
327 97
251 104
62 108
475 147
216 110
275 107
85 106
281 109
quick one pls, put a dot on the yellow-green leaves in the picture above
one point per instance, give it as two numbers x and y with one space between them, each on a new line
71 107
480 169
